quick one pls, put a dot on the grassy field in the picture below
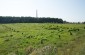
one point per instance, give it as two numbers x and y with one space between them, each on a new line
42 39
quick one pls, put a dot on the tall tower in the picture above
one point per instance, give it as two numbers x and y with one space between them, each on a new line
36 14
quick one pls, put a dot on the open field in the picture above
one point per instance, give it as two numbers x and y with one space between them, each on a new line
42 39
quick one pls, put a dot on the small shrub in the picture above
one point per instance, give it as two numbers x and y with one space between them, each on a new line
66 43
67 28
11 35
59 36
14 31
52 31
22 33
42 40
42 34
30 36
6 39
84 27
54 43
17 31
78 29
71 33
26 42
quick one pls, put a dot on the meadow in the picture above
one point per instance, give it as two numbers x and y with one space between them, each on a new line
42 39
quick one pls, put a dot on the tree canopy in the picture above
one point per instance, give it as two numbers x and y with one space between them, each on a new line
9 19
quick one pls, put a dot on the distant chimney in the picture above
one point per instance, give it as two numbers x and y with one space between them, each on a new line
36 14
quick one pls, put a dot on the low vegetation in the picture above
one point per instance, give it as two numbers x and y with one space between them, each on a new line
42 39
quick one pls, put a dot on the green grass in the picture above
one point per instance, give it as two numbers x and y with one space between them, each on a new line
32 38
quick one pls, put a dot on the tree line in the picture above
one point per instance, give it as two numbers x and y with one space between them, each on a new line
9 19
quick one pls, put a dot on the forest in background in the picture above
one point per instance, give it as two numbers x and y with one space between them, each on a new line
9 19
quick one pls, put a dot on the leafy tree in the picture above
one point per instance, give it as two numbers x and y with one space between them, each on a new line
8 19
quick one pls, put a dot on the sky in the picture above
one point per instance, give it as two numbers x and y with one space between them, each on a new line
68 10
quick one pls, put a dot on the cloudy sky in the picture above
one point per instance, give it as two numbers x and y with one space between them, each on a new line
69 10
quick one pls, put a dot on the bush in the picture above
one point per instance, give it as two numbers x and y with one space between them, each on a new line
59 36
70 33
84 27
6 39
42 40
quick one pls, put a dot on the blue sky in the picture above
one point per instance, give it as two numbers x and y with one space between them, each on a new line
69 10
